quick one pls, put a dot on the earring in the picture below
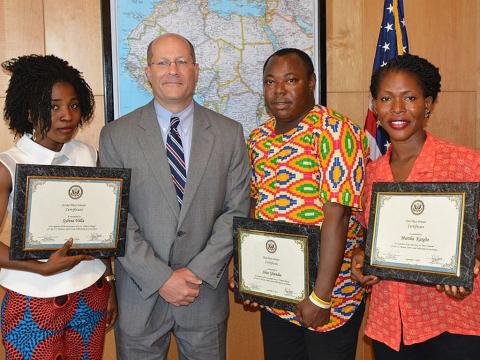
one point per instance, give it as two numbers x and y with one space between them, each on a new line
427 113
34 135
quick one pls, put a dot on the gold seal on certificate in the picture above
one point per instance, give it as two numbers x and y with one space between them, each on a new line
423 232
55 203
275 263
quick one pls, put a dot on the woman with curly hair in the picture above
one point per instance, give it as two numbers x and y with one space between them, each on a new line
59 308
405 320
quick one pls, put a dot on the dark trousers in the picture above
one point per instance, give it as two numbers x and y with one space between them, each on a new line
283 340
445 346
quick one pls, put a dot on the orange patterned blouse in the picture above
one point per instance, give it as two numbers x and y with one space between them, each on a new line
416 313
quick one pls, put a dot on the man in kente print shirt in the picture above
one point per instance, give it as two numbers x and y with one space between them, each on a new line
308 165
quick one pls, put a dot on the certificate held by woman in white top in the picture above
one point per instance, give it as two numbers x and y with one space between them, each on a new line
65 303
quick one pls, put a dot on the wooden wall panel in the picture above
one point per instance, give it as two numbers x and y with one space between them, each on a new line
244 339
351 104
21 31
90 133
455 123
6 137
109 349
344 46
444 31
476 14
73 29
477 122
476 72
372 15
364 345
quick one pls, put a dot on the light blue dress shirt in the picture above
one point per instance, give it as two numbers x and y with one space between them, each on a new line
185 128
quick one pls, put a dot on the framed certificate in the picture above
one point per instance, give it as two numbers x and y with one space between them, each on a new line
55 203
423 232
275 263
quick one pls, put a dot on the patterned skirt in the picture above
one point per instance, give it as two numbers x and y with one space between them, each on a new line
65 327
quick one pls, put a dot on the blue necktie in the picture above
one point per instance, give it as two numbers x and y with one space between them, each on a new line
176 159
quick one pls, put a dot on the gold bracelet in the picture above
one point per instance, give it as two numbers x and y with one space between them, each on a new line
109 278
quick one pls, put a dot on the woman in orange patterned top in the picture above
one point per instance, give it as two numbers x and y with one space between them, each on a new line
412 321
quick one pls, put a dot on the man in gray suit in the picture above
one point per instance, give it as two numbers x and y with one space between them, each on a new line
173 277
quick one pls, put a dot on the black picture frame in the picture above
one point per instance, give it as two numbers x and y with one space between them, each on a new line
108 65
310 232
27 173
469 192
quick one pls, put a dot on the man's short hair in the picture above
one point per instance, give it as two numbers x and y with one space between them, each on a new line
307 62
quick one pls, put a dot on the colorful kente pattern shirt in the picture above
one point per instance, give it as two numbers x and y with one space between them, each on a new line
294 174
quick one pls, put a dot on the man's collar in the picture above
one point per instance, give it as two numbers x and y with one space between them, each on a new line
164 116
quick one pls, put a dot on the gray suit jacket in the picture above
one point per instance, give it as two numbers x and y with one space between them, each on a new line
160 236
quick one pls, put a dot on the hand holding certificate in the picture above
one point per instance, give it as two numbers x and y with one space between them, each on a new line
423 232
275 263
55 203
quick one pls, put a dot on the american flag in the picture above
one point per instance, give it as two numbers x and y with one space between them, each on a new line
392 41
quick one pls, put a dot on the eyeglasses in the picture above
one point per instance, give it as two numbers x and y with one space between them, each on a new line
180 63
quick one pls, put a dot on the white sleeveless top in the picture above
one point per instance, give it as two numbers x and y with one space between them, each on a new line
73 153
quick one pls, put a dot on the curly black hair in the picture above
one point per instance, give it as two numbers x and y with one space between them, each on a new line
307 62
427 75
29 93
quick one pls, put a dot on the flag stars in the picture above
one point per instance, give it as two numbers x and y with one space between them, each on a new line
390 44
389 27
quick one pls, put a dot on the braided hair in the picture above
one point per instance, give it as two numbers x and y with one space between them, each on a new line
426 74
29 92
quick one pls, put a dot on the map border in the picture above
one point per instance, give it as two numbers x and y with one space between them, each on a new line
109 82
